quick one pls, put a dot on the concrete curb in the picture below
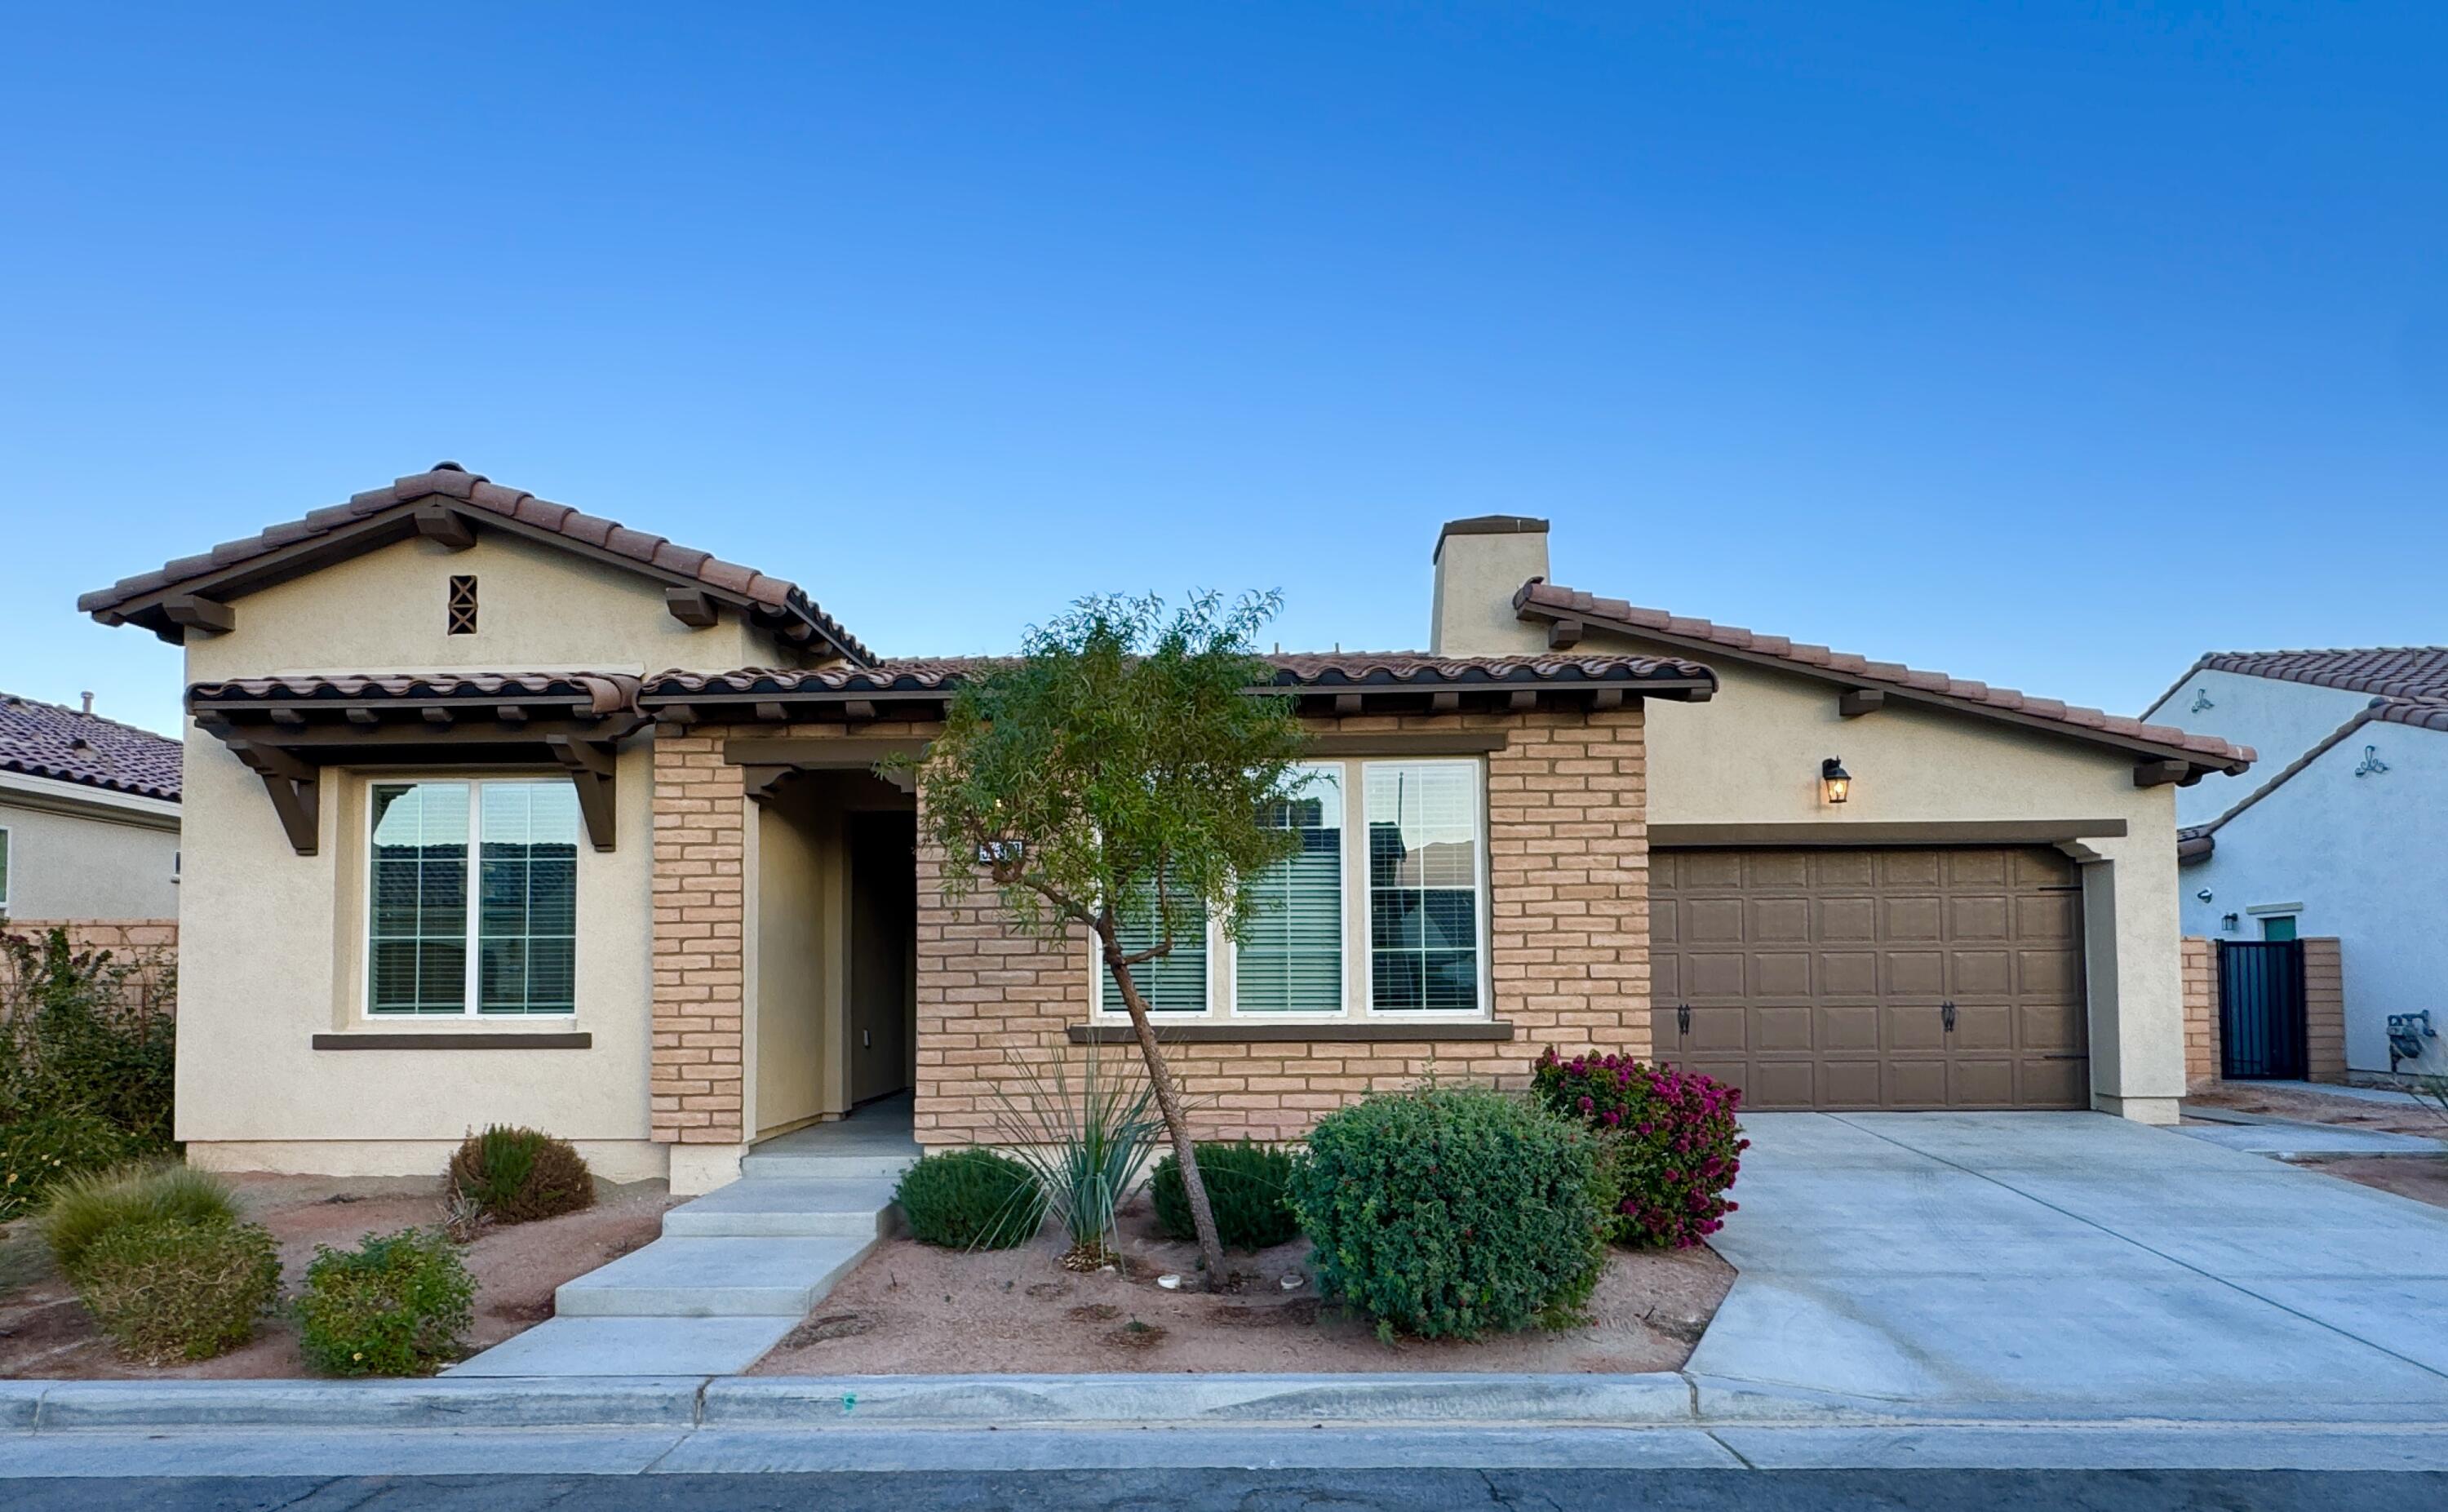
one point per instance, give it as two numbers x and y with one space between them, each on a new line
1412 1399
817 1404
531 1403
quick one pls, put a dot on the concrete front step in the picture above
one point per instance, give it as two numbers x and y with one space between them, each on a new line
677 1278
779 1207
883 1165
630 1346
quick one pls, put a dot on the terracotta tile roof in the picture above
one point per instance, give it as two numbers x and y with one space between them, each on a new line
603 692
2393 670
1302 669
448 481
67 745
1552 602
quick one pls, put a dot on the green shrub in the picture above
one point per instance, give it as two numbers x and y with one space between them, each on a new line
1246 1183
83 1207
167 1289
43 1149
971 1199
396 1305
1087 1144
86 1032
1453 1211
517 1176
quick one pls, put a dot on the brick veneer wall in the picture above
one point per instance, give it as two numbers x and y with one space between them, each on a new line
697 1088
2201 995
149 945
1568 859
2325 1009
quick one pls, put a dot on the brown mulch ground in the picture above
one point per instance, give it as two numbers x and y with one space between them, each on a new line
912 1308
2424 1180
46 1333
2318 1107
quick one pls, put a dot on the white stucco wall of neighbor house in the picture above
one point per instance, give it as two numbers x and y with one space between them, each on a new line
78 853
2279 719
2367 858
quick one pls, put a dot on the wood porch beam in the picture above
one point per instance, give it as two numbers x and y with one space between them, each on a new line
593 767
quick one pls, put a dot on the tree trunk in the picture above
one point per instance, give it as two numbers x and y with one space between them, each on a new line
1168 1100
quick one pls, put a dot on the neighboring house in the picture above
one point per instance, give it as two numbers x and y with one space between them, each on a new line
502 812
89 816
2345 832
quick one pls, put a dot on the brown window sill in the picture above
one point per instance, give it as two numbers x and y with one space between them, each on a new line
1376 1031
499 1040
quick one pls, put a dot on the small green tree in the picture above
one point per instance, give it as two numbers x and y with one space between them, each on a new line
1120 778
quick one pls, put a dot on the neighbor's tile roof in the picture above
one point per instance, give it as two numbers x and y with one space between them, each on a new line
2420 713
450 481
605 692
1298 669
1553 602
67 745
2395 671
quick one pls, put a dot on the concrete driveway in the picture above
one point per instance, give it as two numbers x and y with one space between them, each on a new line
2072 1264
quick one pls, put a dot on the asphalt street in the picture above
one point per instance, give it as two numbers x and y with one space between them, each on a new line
1212 1490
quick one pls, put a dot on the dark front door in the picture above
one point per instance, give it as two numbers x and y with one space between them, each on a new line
2261 1011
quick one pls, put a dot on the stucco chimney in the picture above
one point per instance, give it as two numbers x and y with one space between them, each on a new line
1481 564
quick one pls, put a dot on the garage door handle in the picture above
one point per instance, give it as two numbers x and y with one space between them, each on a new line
1682 1019
1946 1016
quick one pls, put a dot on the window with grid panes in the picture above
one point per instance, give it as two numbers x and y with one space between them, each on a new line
505 945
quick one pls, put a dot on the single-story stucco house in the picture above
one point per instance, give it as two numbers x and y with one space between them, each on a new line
502 812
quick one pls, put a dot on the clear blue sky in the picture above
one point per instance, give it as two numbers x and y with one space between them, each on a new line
2044 345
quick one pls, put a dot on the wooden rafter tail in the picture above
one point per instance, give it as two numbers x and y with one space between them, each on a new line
593 767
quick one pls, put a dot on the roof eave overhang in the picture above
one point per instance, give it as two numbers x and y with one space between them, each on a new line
2193 849
155 608
1322 698
2154 756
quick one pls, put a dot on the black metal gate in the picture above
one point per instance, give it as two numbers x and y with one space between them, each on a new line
2261 1011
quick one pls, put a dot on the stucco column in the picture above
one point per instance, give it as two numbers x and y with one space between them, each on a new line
2133 958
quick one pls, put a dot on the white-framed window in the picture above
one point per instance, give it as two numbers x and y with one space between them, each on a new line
1382 911
442 939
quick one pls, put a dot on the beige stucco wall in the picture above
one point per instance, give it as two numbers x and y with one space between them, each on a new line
95 863
538 608
272 940
1751 756
794 957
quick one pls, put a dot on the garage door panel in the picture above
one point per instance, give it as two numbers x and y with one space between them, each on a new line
1980 974
2048 973
1913 1084
1979 918
1912 1026
1979 1083
1848 974
1783 1085
1850 1085
1849 1026
1712 921
1849 917
1816 977
1781 974
1777 871
1775 1030
2050 1028
1915 973
2052 1083
1714 974
1982 1027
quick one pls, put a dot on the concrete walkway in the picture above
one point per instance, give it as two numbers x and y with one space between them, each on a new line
736 1270
2045 1264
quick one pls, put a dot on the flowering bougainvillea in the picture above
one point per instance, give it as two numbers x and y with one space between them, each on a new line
1675 1143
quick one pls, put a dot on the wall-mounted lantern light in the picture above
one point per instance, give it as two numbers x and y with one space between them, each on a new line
1835 783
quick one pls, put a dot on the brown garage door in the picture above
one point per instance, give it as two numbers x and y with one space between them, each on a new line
1873 978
